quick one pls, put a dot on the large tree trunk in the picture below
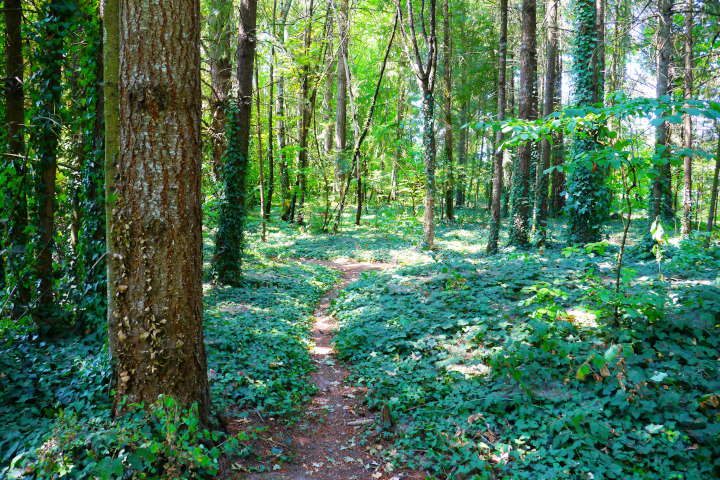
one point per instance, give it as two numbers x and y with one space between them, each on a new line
229 240
541 194
156 220
687 124
447 67
494 236
521 201
219 24
16 240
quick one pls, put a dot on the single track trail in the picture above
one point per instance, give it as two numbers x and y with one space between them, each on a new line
336 436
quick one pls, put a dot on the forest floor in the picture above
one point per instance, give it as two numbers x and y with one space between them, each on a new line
525 365
336 436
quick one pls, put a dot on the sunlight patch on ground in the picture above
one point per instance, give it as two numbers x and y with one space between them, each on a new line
582 317
478 370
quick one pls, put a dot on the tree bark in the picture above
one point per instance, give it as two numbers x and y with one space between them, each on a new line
520 216
16 240
156 318
687 124
494 235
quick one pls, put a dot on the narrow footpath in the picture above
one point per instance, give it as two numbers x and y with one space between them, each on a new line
336 437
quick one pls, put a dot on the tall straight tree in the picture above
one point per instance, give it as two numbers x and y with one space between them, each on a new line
47 132
541 193
447 85
16 199
111 103
156 320
687 123
219 23
425 71
282 38
521 201
341 101
229 242
492 246
661 194
587 196
715 188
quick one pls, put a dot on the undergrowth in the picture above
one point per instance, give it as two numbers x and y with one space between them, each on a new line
55 397
515 366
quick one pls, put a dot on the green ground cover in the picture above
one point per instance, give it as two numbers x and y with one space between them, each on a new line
513 366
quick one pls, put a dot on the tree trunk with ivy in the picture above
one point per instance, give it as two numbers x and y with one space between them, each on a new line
687 124
231 228
557 199
93 182
425 72
156 317
16 239
341 98
521 200
48 123
661 195
715 188
220 29
541 193
492 246
447 84
587 196
280 115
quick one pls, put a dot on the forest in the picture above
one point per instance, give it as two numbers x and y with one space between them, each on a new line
360 239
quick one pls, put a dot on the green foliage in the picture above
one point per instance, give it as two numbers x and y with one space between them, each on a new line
164 441
231 230
505 372
257 336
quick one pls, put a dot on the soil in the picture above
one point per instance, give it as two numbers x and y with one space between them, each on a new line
336 437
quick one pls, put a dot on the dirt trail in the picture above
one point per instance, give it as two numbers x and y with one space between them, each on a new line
336 437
